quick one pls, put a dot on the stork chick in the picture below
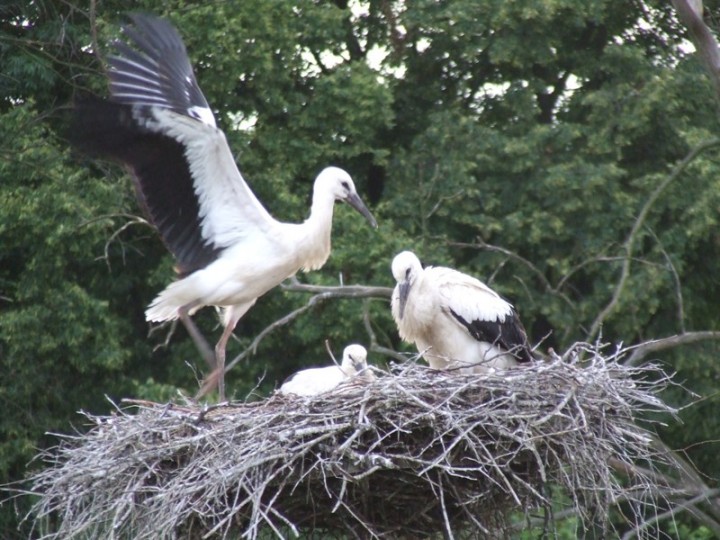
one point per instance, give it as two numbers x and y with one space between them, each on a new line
315 381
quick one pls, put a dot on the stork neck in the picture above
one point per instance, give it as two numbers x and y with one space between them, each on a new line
321 214
317 230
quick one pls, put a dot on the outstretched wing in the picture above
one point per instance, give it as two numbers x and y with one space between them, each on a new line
157 73
159 125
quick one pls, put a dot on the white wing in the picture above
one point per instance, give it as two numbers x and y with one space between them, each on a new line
184 172
228 209
468 297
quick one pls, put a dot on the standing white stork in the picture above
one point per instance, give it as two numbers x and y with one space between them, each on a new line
315 381
455 320
229 249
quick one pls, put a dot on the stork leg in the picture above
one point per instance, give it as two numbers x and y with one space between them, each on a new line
230 319
198 339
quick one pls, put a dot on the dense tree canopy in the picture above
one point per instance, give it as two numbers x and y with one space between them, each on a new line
540 145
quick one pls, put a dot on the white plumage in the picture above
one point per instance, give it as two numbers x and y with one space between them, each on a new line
455 320
229 249
315 381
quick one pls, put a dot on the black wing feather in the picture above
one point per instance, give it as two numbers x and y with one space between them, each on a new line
509 334
159 55
151 69
160 172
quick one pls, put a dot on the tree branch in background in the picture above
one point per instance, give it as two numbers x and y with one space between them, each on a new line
374 347
481 244
115 236
674 509
397 39
337 291
685 492
93 31
676 279
656 345
693 484
629 245
690 13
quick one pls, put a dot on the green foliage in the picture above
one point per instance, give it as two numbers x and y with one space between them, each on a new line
540 127
680 530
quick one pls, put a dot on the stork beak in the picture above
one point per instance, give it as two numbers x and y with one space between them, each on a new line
403 290
356 202
358 367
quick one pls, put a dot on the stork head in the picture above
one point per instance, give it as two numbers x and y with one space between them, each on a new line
336 182
354 359
406 268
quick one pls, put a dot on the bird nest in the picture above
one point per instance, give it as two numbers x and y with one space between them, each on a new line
414 453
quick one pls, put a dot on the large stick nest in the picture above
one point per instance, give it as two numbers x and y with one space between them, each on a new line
414 453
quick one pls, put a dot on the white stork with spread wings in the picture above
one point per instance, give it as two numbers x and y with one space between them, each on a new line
455 320
229 249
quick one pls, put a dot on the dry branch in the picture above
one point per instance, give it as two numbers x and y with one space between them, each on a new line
639 352
415 453
690 13
629 245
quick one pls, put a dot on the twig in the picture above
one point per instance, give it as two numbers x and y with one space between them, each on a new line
679 507
93 30
481 244
703 38
629 244
343 291
639 352
676 280
374 347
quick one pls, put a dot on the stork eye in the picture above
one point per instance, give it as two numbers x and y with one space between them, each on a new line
345 185
407 273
